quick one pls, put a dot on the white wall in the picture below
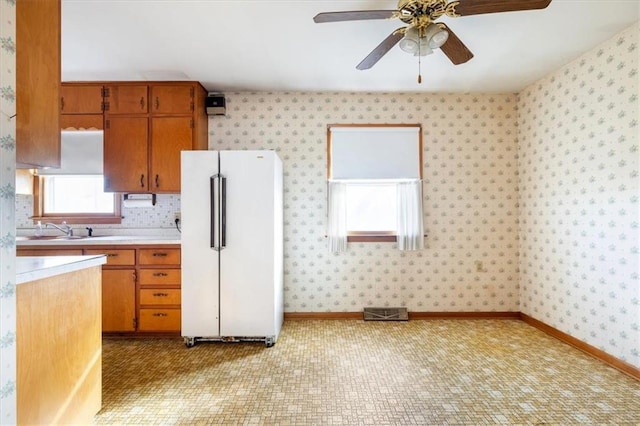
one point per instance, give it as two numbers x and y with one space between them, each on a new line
470 199
579 192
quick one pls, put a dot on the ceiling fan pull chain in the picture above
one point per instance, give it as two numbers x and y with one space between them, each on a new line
419 64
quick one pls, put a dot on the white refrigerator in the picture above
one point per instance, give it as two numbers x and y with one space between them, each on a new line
232 246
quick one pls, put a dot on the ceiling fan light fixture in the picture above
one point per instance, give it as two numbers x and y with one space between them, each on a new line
436 36
409 42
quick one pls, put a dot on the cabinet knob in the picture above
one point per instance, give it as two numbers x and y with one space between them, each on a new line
142 103
159 314
157 254
157 102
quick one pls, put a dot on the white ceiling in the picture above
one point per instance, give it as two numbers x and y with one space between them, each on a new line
261 45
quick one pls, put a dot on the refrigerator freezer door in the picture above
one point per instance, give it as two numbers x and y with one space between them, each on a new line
200 261
247 268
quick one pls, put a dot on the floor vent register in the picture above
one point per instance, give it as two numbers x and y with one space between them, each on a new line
386 314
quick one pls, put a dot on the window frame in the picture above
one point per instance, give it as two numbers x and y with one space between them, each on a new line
72 218
373 236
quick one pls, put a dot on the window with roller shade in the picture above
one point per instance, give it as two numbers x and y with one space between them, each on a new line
366 165
74 193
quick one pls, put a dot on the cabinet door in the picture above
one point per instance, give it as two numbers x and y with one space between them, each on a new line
125 154
126 99
81 99
38 75
169 136
172 99
118 300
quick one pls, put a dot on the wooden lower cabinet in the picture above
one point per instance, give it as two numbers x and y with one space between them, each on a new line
159 283
160 319
140 286
118 300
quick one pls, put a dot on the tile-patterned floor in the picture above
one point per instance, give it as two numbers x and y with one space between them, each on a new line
435 372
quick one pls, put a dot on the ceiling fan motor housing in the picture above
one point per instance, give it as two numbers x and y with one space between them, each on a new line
420 13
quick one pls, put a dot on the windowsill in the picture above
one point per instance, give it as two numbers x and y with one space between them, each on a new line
76 220
386 238
371 239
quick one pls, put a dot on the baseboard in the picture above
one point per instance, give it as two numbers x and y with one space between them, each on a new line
412 315
323 315
584 347
464 315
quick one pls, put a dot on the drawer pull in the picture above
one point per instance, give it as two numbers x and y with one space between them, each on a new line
160 294
160 274
112 254
159 254
159 314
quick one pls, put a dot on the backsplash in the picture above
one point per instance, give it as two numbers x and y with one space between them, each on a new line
160 216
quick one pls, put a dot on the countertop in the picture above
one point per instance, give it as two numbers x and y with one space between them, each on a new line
31 268
22 241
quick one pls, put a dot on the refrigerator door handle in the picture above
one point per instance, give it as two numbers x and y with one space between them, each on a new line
212 211
223 214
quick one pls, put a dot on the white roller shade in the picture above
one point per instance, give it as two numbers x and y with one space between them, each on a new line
80 154
375 152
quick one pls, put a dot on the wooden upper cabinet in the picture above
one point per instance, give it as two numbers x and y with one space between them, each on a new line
126 99
81 99
146 127
81 106
172 99
169 136
126 154
38 74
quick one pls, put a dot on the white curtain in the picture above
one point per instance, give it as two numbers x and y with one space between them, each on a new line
337 217
410 225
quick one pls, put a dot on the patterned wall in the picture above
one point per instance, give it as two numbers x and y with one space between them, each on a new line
470 199
579 191
7 213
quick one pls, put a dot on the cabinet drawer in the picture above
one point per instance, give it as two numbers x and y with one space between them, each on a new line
159 256
159 320
159 276
49 252
158 296
115 257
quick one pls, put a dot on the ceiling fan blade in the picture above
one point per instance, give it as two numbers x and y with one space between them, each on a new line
477 7
455 49
377 53
357 15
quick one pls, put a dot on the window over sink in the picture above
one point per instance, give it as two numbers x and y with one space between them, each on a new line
74 199
74 192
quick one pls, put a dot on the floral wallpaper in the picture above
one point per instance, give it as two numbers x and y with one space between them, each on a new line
470 260
578 192
7 213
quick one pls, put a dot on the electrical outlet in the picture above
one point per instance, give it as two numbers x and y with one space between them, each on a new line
177 216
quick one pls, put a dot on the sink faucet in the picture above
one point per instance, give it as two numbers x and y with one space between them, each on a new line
66 229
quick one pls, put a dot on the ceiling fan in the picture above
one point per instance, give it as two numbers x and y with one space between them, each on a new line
422 34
